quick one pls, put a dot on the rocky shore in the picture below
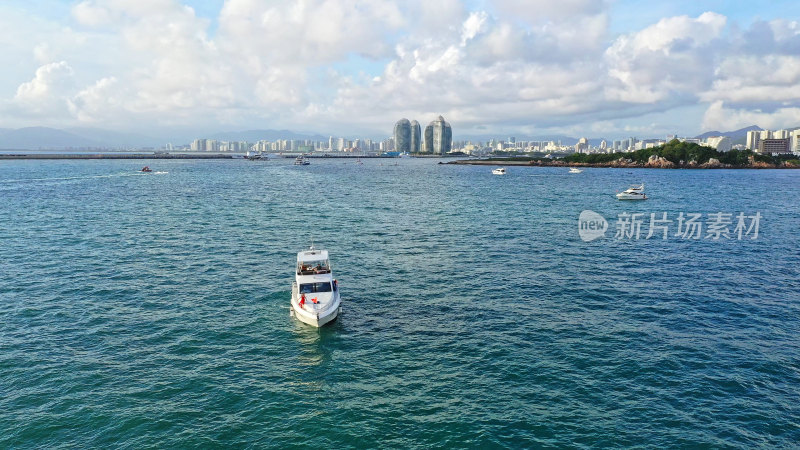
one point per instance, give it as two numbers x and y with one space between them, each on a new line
654 162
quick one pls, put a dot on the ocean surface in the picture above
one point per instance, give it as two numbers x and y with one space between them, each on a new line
152 310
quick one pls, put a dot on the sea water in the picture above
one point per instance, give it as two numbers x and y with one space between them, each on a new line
152 310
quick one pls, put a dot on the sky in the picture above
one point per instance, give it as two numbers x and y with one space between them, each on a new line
593 68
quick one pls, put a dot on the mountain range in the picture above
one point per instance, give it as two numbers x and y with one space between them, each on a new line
44 138
737 137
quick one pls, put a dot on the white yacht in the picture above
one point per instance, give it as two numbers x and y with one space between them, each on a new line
575 170
499 171
301 161
315 293
633 193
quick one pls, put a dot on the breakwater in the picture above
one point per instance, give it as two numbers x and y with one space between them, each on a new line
111 156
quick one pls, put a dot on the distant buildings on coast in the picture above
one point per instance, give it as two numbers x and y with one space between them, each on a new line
408 137
773 142
436 139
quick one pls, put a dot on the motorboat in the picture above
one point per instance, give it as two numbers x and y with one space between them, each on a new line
301 161
575 170
633 193
146 169
315 293
260 156
499 171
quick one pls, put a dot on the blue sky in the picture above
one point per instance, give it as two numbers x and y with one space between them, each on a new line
349 67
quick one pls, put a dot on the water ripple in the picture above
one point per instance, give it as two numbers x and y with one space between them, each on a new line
152 311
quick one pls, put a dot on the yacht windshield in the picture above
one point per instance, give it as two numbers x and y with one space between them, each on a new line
310 288
311 267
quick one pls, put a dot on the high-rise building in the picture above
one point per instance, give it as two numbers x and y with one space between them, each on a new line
402 135
795 141
582 145
752 140
438 138
780 134
416 135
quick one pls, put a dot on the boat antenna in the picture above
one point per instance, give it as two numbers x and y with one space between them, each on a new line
312 244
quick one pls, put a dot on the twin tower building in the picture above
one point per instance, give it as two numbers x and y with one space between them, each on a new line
437 139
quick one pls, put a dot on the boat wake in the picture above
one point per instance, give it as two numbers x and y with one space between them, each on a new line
87 177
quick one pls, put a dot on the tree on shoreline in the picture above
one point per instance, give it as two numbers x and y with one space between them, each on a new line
683 154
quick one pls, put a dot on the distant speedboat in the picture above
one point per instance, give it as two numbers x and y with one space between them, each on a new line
256 156
633 193
575 170
499 171
146 169
301 161
315 293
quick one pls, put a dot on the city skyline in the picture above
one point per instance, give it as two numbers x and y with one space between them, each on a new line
503 67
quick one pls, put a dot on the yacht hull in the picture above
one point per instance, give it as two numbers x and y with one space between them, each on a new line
316 318
631 197
316 315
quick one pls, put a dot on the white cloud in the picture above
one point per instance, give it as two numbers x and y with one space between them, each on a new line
676 56
719 117
547 10
95 102
307 32
47 93
530 64
91 14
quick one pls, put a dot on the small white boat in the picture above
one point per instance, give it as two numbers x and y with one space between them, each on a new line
575 170
315 293
301 161
499 171
633 193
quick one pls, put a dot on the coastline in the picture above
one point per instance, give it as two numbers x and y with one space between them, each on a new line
618 164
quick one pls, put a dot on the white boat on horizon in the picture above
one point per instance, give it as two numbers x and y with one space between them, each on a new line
575 170
315 293
499 171
633 193
301 161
